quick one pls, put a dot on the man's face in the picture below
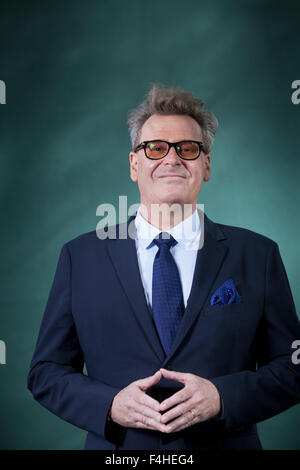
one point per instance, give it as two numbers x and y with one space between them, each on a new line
170 179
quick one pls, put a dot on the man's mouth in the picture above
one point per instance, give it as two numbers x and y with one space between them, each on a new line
171 176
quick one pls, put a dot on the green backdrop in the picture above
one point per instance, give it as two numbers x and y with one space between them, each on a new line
73 70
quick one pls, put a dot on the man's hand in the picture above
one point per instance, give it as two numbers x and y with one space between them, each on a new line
197 401
133 408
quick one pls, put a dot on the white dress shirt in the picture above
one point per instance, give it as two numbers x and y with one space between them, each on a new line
187 235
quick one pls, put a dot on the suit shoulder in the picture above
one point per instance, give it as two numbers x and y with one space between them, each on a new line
82 240
248 236
95 237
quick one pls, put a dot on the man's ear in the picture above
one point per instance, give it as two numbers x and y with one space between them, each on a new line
133 160
206 169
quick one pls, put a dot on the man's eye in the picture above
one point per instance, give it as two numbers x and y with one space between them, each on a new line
154 147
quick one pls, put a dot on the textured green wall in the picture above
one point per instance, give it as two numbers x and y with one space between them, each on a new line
72 71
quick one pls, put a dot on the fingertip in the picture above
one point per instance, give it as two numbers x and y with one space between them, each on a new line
157 376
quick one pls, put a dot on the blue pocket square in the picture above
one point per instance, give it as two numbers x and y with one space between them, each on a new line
226 294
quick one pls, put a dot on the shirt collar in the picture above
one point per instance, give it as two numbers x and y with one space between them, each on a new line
186 233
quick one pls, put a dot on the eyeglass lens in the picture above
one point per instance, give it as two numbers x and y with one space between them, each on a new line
159 149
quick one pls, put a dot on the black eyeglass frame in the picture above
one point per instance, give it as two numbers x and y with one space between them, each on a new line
170 144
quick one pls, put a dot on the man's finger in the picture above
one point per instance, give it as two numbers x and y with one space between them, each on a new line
174 375
145 399
148 423
148 382
175 412
156 426
175 399
180 423
148 412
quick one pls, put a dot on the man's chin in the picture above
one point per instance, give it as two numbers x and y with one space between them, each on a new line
171 200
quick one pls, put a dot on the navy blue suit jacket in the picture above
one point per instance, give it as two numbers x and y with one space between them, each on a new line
97 314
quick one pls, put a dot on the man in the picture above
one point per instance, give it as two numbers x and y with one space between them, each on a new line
184 348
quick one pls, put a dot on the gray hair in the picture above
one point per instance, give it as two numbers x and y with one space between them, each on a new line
163 100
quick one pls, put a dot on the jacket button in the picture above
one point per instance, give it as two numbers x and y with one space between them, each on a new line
168 367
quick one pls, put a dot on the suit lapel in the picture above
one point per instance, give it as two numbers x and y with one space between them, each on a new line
124 258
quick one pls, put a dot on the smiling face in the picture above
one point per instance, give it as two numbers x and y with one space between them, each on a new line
171 179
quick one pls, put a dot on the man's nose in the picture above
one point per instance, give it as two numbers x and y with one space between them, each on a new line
172 157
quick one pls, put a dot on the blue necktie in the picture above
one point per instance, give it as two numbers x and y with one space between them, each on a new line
167 297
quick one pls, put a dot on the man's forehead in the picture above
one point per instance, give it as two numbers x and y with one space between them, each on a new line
179 126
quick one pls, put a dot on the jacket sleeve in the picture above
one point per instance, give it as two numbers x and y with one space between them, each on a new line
253 396
56 377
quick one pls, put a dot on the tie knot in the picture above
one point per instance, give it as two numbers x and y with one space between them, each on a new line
164 239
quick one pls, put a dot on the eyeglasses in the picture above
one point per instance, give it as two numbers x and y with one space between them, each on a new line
185 149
